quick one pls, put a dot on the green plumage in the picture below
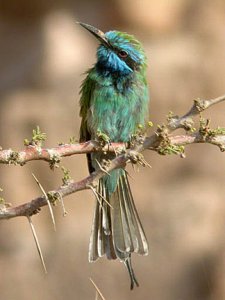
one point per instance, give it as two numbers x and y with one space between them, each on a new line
114 101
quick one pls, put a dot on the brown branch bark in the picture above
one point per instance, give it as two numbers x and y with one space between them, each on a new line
161 138
33 152
198 106
30 208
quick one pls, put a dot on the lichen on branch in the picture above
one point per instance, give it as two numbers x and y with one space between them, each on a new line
163 140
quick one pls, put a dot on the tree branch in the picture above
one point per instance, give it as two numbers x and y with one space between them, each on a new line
32 207
197 107
34 152
161 141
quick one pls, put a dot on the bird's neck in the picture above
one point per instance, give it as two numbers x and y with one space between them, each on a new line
119 80
110 70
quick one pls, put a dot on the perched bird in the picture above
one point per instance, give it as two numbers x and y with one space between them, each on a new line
114 101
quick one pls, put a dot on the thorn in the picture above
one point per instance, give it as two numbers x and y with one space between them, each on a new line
98 292
104 199
37 243
101 168
95 193
135 167
48 202
128 174
97 196
62 203
145 163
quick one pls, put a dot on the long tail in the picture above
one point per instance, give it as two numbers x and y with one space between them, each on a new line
117 230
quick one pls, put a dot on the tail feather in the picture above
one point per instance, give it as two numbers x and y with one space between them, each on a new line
129 214
137 229
100 239
117 229
120 227
93 244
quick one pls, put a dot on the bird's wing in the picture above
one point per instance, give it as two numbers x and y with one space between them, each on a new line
86 92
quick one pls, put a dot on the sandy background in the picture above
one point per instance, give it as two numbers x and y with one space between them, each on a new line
43 54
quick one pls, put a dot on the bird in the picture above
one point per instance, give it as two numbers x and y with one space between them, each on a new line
114 100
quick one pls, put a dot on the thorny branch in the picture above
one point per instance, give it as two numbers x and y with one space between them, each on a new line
161 141
51 155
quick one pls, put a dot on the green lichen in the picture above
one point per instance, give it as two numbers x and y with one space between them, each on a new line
170 116
217 131
193 129
53 197
199 104
73 140
138 137
38 138
66 179
166 148
13 158
188 125
2 201
102 138
55 159
26 142
150 124
162 131
208 132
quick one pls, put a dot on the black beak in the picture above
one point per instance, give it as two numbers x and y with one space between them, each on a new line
97 33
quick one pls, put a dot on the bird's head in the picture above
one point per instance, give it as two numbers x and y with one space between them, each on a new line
118 51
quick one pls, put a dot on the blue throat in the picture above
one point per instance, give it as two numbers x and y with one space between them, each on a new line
120 80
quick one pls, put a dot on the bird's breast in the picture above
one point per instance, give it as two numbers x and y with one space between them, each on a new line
117 108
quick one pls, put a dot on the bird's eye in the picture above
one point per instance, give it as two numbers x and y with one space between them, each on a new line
122 54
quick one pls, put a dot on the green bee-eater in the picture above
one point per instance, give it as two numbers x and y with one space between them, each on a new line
114 101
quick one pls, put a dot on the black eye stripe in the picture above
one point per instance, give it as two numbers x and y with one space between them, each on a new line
131 63
126 58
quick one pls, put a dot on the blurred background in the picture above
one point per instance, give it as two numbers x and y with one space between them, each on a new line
181 202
